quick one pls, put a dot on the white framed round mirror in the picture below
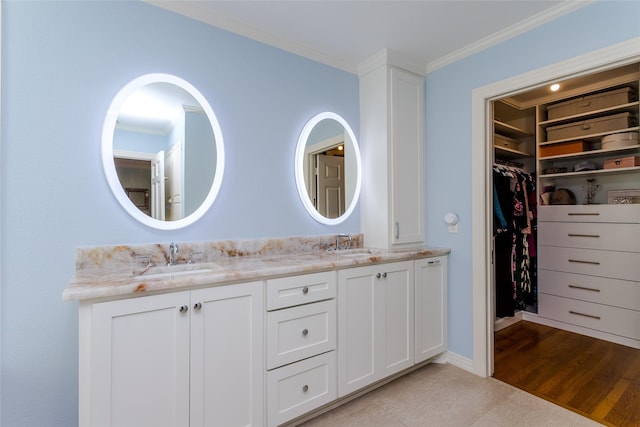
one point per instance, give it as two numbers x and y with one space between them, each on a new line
162 151
327 168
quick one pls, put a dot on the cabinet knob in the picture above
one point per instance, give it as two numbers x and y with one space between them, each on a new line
305 388
305 332
197 306
378 276
183 309
384 274
305 290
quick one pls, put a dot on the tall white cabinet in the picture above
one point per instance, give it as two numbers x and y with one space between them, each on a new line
179 359
392 140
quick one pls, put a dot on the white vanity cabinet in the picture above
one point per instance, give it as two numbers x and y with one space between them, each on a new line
392 131
430 307
301 343
375 323
189 358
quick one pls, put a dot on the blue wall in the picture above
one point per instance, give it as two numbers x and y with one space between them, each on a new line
448 130
63 62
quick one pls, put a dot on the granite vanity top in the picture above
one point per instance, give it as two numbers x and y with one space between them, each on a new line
112 271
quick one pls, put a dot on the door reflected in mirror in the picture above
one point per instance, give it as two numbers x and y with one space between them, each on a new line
164 145
328 168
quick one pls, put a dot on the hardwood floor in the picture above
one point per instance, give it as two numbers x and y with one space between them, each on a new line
595 378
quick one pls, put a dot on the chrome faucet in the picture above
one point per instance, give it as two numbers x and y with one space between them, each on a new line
346 236
173 250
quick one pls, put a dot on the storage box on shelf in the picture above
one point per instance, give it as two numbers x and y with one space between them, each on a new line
513 131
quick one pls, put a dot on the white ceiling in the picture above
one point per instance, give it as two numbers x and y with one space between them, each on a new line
344 33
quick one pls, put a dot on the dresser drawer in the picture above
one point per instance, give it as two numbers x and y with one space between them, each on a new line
590 213
617 265
613 320
609 236
300 332
296 290
599 290
301 387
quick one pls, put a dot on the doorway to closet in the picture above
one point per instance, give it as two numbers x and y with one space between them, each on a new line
611 57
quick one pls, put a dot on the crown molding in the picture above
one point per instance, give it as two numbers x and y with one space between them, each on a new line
392 58
528 24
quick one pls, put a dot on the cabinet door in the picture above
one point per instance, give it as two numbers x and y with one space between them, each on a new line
358 308
227 365
375 323
140 362
396 335
431 307
407 139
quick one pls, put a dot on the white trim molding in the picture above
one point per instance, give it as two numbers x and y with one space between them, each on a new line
613 56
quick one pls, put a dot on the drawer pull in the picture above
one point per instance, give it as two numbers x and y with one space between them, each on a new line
183 309
305 290
305 388
591 316
435 262
584 262
584 289
583 235
197 306
305 332
583 213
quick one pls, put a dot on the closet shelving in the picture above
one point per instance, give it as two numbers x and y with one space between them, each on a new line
514 132
595 153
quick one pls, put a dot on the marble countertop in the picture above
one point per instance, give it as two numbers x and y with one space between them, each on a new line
103 279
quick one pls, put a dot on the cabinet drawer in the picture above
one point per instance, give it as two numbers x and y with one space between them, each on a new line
296 290
298 388
617 265
300 332
613 320
590 213
600 290
609 236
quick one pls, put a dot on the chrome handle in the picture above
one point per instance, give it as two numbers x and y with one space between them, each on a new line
305 290
305 332
378 275
397 230
591 316
197 306
183 309
384 274
583 213
583 288
305 388
435 262
583 235
578 261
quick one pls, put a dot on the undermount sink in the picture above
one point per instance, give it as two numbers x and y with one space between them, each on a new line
172 271
352 253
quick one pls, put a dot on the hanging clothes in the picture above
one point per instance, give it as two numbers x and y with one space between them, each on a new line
514 230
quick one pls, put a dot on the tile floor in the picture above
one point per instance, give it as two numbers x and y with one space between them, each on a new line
444 395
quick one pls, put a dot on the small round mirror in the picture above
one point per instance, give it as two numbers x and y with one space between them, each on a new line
327 168
162 151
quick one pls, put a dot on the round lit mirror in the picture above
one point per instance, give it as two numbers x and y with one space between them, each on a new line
162 151
327 168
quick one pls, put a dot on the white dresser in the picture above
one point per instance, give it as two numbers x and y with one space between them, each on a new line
589 270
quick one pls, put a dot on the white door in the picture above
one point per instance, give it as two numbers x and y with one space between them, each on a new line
174 182
358 315
397 344
227 357
330 190
157 186
140 362
431 307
